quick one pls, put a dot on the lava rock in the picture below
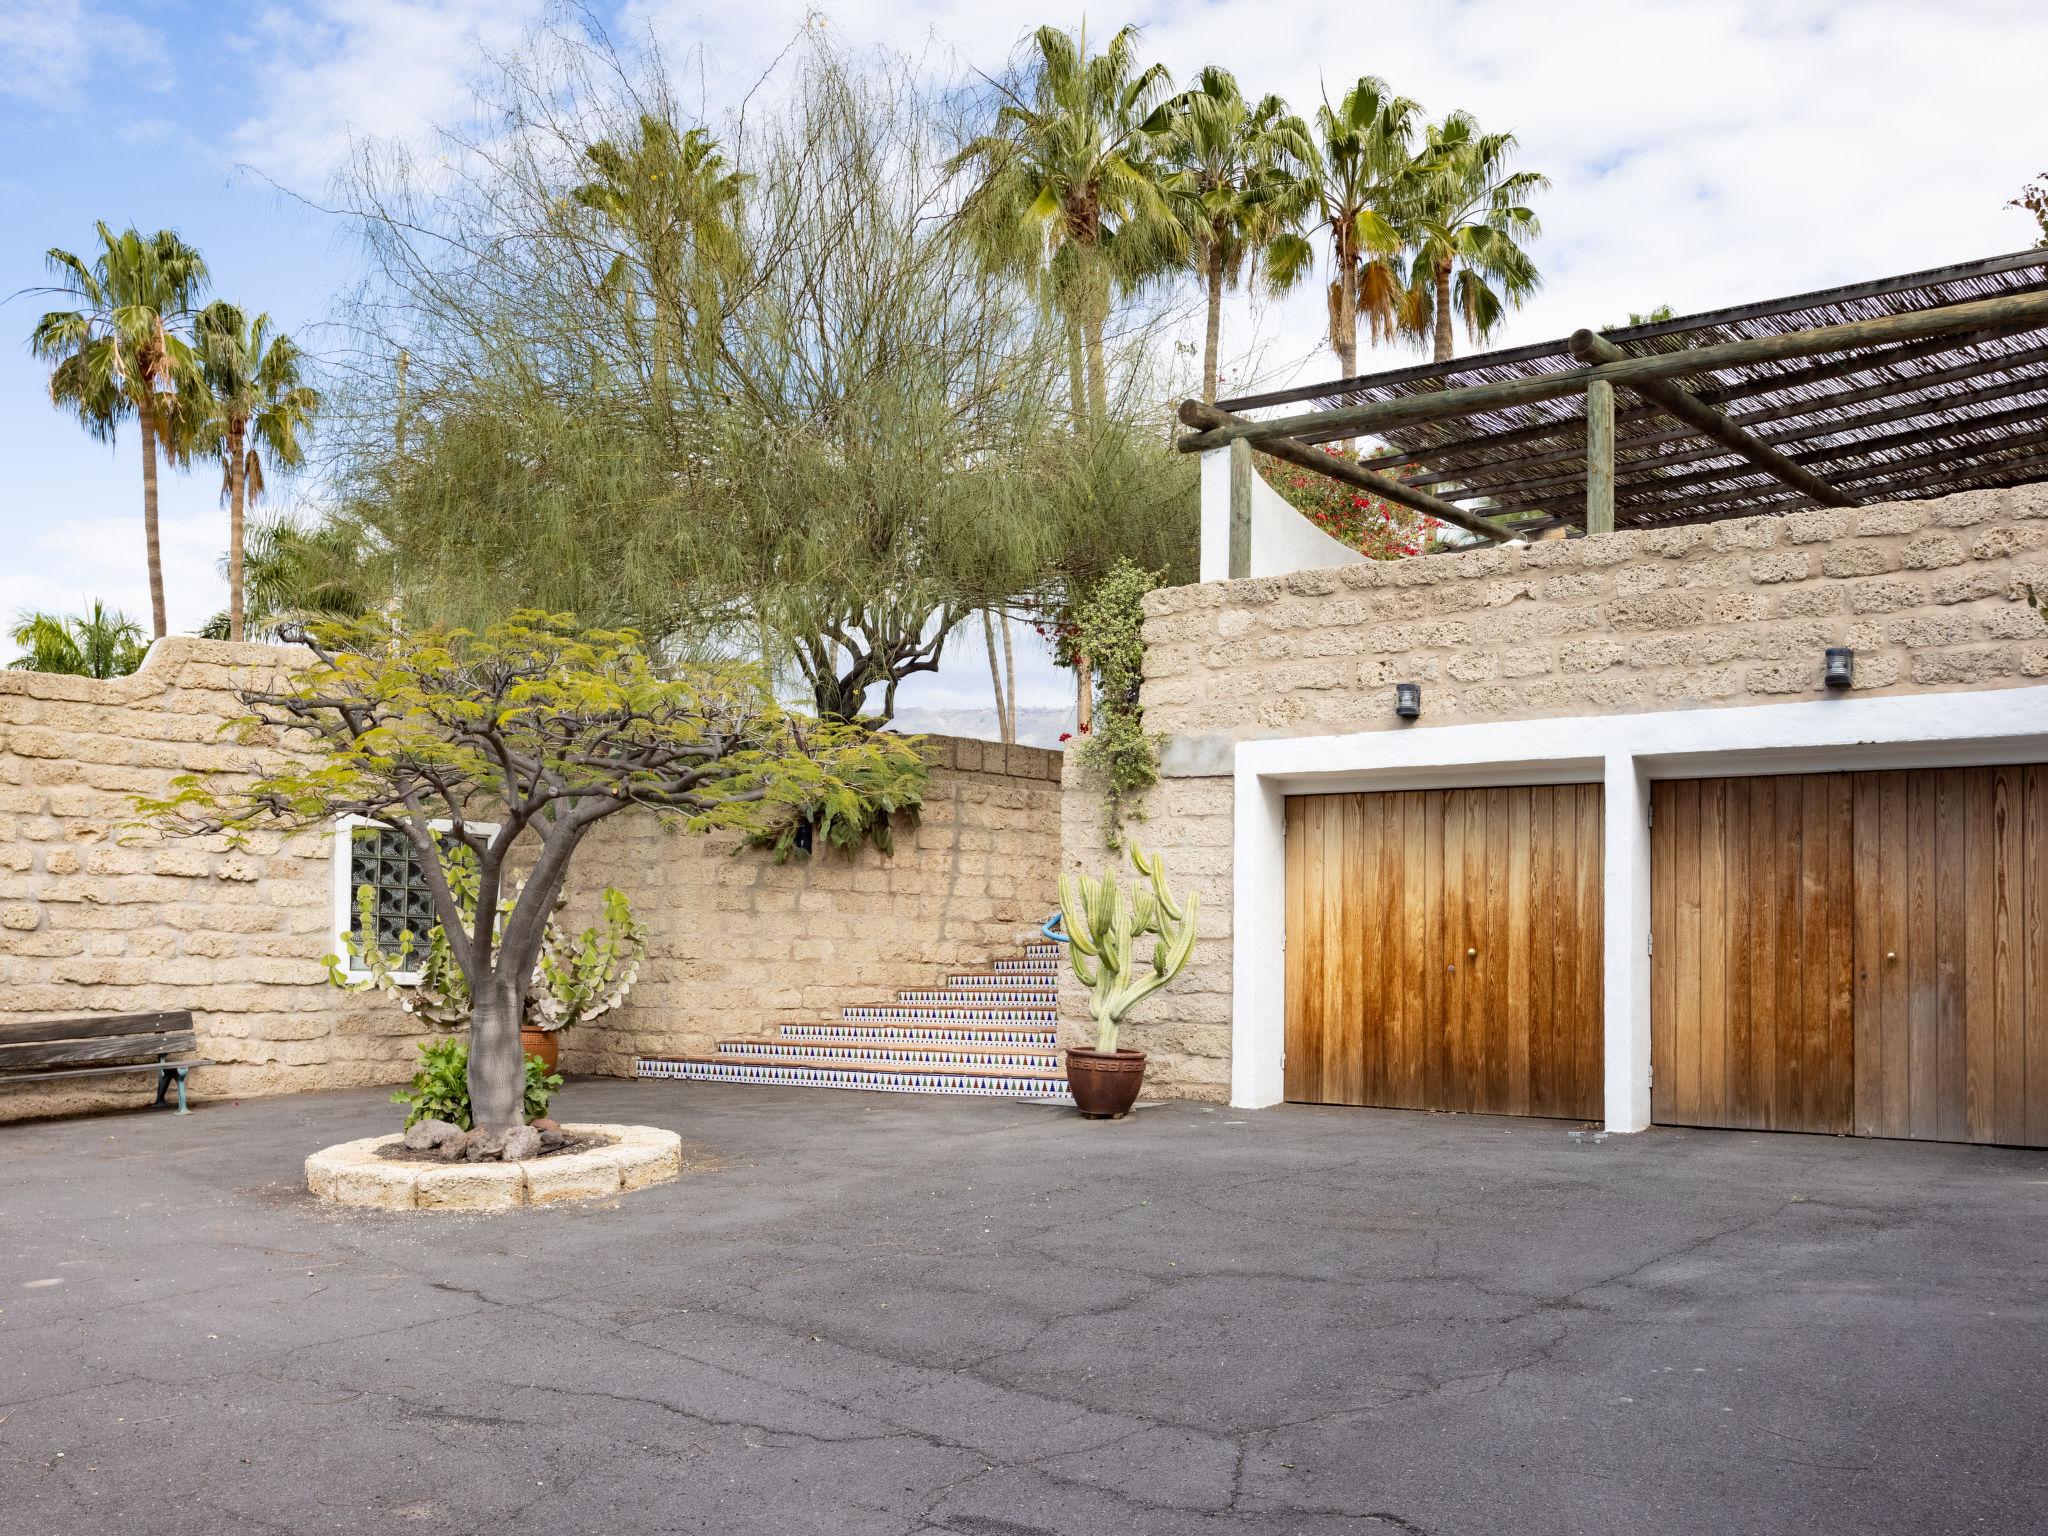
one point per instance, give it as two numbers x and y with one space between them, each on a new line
554 1141
485 1146
544 1124
521 1144
425 1135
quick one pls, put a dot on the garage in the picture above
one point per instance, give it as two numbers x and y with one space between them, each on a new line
1443 950
1854 953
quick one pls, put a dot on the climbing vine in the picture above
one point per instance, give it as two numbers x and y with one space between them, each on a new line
1109 629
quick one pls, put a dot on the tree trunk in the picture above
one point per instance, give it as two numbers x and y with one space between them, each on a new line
238 482
160 626
1084 693
1443 311
995 674
1009 681
1344 337
497 1066
1098 382
1076 374
1210 341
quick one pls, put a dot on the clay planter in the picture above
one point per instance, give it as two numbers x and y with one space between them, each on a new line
1104 1083
544 1043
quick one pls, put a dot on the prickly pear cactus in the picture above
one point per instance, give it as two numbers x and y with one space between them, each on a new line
1105 924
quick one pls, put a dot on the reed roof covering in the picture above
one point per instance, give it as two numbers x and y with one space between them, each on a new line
1887 422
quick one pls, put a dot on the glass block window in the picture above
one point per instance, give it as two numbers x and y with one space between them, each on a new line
388 864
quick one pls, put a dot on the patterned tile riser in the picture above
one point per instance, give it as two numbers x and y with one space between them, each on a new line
912 1032
896 1055
852 1077
1014 1017
977 997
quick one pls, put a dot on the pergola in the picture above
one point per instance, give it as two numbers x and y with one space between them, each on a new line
1890 390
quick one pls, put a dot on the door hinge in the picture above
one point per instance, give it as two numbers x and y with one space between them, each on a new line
1653 945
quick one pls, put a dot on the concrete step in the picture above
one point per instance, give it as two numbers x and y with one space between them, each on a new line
979 1055
873 1079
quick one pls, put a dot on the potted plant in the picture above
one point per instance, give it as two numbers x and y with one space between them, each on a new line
1104 925
577 978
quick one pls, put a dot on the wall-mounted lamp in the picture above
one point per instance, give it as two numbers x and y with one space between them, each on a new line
1408 700
1841 667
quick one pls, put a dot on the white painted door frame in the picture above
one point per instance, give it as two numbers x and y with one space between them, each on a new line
1623 753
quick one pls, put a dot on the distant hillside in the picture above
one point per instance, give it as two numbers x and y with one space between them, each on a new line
1035 727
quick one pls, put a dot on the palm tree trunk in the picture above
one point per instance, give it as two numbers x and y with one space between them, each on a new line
1009 681
1443 311
1098 383
238 483
160 626
1214 274
1076 374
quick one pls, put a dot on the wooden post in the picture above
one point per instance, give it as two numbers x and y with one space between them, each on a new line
1241 472
1599 457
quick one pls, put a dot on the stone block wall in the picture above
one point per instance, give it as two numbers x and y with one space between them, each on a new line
1933 596
741 945
96 919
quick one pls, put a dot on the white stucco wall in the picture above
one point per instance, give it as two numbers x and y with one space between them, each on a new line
1282 539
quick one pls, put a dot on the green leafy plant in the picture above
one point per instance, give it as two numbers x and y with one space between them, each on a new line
1104 923
440 1088
578 977
1109 629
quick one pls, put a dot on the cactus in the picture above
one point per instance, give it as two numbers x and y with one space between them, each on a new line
1104 923
576 979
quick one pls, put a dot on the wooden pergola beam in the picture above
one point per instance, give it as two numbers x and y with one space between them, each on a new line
1196 414
1592 347
1410 410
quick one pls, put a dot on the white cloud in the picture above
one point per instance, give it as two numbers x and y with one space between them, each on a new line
342 70
49 50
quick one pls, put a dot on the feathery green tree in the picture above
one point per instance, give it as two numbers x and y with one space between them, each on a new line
124 350
252 400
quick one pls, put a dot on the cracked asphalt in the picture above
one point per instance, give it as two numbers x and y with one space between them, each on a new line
865 1313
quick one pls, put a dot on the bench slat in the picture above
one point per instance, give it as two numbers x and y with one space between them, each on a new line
97 1028
140 1066
65 1053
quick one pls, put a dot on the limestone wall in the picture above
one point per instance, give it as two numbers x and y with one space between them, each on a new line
740 945
1933 596
96 920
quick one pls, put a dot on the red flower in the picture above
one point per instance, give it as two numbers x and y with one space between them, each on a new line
1066 735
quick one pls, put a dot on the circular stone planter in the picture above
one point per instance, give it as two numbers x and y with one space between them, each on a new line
353 1174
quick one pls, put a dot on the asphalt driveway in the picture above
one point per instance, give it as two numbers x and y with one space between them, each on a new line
869 1314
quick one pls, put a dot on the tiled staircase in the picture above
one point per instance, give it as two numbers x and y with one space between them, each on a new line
994 1034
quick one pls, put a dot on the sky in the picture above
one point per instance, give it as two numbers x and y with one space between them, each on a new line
1703 152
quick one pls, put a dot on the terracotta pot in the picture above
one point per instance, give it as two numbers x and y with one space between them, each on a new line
544 1043
1105 1083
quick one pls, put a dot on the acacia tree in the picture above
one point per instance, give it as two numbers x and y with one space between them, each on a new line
512 744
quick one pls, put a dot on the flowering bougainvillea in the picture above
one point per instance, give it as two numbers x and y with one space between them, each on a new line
1379 530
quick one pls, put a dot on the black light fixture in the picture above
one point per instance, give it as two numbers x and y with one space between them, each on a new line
1408 700
1841 667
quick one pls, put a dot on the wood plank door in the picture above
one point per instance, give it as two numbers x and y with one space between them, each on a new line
1853 953
1444 950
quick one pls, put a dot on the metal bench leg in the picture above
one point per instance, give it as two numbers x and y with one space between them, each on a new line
164 1075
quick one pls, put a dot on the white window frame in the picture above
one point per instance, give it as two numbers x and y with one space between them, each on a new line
344 893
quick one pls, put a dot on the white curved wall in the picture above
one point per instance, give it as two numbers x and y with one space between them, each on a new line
1282 540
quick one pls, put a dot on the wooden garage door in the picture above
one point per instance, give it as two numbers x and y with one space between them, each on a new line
1443 950
1856 953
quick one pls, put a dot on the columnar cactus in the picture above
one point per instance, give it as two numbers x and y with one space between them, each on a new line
1104 923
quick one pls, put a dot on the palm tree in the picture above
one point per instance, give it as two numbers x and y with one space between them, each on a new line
1066 189
676 210
121 352
1353 183
1468 225
1231 178
252 401
331 570
99 643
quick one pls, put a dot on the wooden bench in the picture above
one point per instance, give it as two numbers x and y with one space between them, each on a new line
101 1047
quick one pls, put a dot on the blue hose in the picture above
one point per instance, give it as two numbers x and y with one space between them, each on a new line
1051 929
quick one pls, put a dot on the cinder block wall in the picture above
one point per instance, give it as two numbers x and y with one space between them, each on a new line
741 945
94 919
1933 596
